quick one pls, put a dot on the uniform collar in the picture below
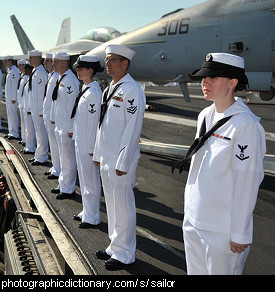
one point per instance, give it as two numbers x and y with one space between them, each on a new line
125 78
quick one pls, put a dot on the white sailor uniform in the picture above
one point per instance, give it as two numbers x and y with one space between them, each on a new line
47 105
84 133
39 80
22 81
11 95
29 126
61 114
117 147
220 203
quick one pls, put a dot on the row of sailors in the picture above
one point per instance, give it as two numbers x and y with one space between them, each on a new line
55 113
33 90
218 221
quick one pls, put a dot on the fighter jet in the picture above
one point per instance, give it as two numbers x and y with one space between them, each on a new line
170 49
89 41
23 39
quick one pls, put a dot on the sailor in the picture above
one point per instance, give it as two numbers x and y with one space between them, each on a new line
54 171
11 98
64 96
37 83
117 151
22 80
86 113
225 173
26 104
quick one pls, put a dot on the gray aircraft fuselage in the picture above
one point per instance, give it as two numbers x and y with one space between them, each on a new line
173 47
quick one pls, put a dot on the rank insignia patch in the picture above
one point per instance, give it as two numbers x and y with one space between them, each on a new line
242 156
92 111
69 90
132 109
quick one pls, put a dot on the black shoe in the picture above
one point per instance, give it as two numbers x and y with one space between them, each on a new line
51 176
62 196
55 190
27 152
12 138
75 217
38 163
113 265
102 255
31 159
85 225
6 136
47 172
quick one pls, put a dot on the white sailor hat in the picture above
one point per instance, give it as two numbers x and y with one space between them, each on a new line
28 64
8 57
48 56
88 61
120 50
34 53
61 56
222 65
21 62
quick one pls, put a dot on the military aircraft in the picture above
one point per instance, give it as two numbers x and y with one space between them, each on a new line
23 39
171 48
90 40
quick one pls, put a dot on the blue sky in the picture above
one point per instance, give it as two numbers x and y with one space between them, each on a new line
41 20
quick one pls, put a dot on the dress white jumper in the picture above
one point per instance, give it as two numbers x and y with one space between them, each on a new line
84 133
22 81
39 80
47 105
11 85
117 147
225 175
61 114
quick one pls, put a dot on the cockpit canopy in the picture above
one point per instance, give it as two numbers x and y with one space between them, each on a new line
101 34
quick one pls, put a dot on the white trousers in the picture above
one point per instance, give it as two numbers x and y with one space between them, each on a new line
67 177
22 123
208 253
29 133
90 185
13 121
55 169
42 147
121 210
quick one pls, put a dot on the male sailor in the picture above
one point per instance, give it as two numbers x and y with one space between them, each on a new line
37 83
117 151
64 96
11 85
54 171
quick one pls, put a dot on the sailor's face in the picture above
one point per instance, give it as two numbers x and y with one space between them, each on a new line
84 73
114 64
59 66
215 88
48 63
32 60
